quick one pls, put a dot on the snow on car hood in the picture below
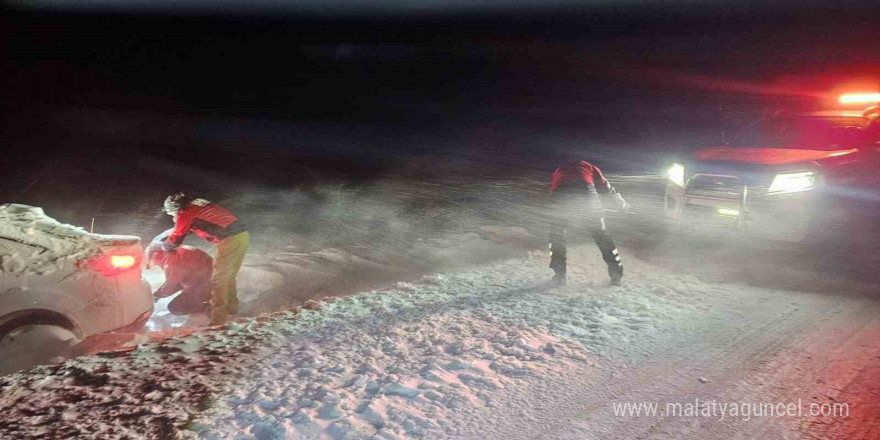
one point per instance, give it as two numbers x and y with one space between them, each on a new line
765 156
32 243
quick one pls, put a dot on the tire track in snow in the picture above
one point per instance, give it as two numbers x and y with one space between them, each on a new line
704 352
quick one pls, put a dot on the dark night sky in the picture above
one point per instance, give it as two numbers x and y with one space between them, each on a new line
490 54
95 85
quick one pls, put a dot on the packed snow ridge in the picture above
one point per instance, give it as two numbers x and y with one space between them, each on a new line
443 357
32 243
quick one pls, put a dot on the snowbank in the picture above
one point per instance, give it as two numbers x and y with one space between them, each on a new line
440 357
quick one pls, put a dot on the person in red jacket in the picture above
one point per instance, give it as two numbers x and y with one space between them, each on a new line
575 188
215 224
188 271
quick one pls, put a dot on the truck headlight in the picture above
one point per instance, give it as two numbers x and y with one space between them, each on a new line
676 174
792 182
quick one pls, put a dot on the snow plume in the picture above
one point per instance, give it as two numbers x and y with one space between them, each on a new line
330 240
446 356
384 218
336 239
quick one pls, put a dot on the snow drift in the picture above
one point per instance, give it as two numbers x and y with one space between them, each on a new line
440 357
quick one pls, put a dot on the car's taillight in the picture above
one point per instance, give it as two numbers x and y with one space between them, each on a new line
122 261
110 265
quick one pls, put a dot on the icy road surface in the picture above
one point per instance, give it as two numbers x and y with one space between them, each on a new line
491 353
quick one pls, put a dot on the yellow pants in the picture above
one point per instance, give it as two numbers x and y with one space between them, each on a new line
227 262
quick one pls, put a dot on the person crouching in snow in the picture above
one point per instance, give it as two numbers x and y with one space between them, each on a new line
574 190
215 224
188 271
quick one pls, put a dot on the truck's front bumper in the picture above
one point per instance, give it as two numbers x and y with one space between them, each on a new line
784 217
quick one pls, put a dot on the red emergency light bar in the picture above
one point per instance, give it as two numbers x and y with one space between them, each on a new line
860 98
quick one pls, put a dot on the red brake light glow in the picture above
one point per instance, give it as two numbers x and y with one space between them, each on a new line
110 265
122 261
860 98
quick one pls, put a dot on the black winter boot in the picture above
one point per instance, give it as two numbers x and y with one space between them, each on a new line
558 259
615 271
559 278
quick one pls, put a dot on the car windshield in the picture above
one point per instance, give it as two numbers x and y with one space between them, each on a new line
807 133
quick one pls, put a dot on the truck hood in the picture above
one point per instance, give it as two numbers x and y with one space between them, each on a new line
765 156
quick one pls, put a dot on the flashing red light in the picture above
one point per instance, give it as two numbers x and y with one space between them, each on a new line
860 98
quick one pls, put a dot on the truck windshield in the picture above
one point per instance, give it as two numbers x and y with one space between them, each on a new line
805 133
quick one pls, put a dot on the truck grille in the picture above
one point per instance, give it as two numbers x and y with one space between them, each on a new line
714 185
720 186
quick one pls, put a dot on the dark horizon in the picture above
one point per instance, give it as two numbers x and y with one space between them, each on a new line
638 47
284 98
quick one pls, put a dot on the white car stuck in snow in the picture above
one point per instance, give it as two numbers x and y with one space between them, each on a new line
60 283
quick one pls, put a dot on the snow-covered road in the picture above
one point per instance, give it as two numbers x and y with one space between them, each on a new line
491 353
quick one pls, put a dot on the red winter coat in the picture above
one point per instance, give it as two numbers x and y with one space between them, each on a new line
209 221
582 177
188 269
